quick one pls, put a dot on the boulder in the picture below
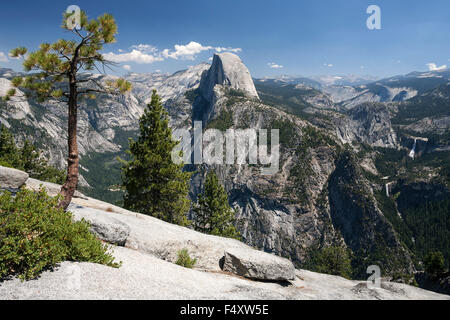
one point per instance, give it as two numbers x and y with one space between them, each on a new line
164 240
51 188
258 265
12 178
103 225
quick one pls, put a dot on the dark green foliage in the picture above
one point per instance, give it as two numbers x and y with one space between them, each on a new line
302 171
9 153
287 131
433 104
388 161
389 208
106 187
27 158
430 224
405 278
222 122
185 260
102 184
288 98
213 214
153 183
191 95
333 260
36 235
313 138
234 96
434 264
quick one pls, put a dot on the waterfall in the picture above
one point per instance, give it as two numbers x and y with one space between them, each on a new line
388 188
412 153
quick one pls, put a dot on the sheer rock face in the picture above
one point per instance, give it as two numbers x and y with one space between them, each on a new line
367 123
227 69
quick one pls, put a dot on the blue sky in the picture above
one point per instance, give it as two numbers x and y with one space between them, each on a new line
273 37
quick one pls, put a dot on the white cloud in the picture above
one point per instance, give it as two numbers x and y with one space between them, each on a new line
273 65
144 48
433 67
3 57
133 56
228 49
145 53
329 65
127 67
187 51
362 67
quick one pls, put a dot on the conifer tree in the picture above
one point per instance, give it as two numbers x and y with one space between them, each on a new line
213 213
26 158
56 74
153 183
9 153
434 264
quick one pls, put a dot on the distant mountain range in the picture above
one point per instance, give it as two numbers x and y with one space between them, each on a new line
349 91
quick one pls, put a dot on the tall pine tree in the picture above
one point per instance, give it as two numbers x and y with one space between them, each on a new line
55 73
154 184
213 213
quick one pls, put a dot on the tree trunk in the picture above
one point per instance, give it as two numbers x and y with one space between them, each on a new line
69 187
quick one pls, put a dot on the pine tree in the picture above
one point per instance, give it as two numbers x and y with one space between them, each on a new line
213 212
9 153
333 260
56 69
154 184
434 264
27 158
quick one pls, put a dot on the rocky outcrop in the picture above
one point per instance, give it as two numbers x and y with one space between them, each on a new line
104 226
51 188
355 214
158 238
258 265
228 70
144 275
367 123
12 178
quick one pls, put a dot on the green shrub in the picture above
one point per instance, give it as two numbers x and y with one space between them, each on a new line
333 260
434 264
405 278
185 260
35 235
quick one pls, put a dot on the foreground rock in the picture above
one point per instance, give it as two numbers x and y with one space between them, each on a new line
12 178
52 189
143 276
149 272
258 265
158 238
104 226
